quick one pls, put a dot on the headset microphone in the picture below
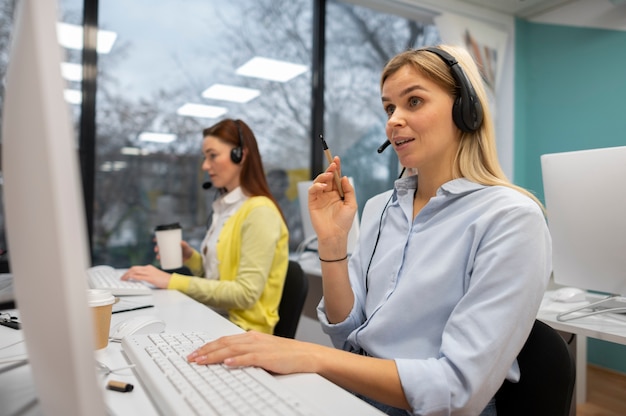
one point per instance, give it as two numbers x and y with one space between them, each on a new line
207 185
383 146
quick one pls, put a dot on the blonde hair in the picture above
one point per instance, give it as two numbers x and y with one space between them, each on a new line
476 158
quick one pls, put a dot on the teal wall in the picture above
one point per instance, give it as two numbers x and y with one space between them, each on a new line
570 94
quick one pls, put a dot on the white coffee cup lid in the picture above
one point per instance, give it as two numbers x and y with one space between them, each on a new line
100 297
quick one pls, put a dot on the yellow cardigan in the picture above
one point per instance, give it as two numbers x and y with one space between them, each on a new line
253 254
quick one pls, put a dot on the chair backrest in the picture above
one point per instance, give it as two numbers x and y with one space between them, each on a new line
292 301
548 375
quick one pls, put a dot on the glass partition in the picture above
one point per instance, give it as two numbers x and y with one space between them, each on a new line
161 63
69 13
359 41
171 61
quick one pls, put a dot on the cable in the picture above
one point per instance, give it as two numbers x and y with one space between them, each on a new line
16 364
304 245
27 407
380 226
595 310
10 345
14 361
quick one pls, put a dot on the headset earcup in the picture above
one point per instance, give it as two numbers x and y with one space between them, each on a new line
467 114
467 111
236 154
457 115
474 117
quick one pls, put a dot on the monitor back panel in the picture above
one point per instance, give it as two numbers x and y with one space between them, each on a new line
585 196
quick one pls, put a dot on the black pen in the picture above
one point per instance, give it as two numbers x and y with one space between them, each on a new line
135 308
329 157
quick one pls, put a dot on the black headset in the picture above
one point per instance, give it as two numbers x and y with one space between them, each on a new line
467 111
236 154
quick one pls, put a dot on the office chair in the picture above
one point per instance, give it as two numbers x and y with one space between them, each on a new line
548 374
292 301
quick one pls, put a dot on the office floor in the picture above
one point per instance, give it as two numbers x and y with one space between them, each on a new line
606 393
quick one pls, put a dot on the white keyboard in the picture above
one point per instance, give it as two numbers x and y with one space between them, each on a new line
106 277
181 388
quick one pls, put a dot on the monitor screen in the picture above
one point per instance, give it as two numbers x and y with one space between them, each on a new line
585 200
45 219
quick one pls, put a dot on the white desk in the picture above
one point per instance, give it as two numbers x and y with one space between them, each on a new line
181 314
606 327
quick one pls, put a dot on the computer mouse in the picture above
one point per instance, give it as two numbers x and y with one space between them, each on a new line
569 294
142 324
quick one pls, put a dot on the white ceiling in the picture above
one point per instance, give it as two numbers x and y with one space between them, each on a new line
603 14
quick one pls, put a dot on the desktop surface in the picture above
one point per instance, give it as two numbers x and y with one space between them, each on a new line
175 309
607 326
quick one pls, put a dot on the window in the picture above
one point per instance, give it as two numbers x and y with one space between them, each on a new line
359 41
174 57
70 12
168 60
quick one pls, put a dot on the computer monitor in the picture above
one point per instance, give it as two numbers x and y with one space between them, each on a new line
45 219
585 200
310 239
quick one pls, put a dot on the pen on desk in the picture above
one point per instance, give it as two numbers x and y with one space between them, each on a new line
134 308
329 157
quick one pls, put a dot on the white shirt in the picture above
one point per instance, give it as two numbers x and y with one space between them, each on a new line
452 295
223 208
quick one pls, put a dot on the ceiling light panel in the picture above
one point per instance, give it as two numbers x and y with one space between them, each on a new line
270 69
157 137
230 93
133 151
73 96
72 72
200 110
71 37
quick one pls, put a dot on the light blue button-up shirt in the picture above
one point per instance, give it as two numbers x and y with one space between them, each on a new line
450 296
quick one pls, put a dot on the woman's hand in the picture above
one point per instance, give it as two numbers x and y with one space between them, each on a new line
373 377
275 354
149 274
187 250
331 216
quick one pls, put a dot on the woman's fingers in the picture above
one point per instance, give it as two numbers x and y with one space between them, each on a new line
275 354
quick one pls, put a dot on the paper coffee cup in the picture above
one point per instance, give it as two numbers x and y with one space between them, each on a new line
101 305
168 238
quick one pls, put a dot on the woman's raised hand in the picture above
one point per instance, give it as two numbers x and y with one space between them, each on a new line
331 216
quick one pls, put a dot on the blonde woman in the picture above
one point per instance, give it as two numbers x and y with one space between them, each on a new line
431 310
